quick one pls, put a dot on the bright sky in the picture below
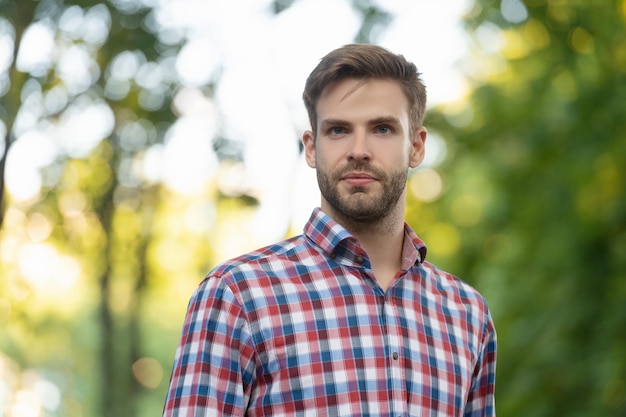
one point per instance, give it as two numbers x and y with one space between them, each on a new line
264 61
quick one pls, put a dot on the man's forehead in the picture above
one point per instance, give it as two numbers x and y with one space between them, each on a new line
350 85
366 98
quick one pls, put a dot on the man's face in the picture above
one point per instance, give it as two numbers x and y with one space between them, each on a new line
363 148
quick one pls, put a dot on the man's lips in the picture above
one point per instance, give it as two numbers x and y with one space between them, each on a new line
358 178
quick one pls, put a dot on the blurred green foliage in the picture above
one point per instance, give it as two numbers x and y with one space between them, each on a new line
539 151
528 206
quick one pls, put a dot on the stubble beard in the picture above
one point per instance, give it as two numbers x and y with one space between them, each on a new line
358 205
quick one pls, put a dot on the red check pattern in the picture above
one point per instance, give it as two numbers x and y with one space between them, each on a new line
302 328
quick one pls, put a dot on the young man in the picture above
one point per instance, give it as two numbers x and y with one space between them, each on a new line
348 318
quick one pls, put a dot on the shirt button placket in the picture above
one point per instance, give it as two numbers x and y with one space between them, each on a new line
394 344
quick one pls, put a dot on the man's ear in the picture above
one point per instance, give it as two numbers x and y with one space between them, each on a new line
308 140
418 143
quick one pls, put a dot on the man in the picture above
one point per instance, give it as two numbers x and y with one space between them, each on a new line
348 318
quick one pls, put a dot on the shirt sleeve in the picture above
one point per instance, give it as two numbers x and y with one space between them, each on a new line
214 364
481 399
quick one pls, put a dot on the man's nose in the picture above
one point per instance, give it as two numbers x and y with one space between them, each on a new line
360 149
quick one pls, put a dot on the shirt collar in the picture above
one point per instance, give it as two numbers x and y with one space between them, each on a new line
328 235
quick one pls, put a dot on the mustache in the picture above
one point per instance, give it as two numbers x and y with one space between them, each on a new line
359 166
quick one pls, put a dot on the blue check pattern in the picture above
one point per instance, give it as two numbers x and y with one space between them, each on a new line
301 328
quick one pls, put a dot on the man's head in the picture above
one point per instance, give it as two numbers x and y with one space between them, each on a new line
366 107
363 61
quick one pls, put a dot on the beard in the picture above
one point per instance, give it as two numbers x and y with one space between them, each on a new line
357 204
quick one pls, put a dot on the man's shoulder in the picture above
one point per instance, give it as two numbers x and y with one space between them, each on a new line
253 275
451 286
274 252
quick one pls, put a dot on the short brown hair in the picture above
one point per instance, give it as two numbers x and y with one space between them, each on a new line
365 61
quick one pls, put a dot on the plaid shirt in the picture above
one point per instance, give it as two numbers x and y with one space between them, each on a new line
302 328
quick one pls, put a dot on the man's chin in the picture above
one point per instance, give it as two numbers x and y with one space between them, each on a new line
361 211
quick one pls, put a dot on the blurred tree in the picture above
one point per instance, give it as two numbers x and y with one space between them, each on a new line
534 199
20 14
89 89
104 69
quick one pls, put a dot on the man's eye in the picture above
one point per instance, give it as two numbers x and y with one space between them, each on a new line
383 129
336 130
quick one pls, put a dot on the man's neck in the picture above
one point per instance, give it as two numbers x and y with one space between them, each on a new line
383 241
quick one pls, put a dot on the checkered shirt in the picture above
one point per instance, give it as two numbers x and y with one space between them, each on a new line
301 328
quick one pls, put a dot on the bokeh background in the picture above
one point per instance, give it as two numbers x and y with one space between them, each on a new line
147 140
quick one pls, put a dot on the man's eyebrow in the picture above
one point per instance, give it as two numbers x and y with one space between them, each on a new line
384 120
330 122
374 121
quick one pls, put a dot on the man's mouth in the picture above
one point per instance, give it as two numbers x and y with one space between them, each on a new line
358 179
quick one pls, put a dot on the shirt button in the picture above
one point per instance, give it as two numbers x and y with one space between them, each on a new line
395 356
359 259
